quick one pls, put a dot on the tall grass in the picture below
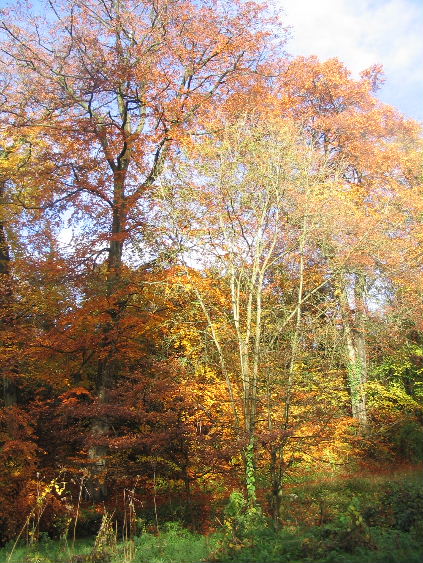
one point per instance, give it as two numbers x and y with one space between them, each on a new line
173 544
360 520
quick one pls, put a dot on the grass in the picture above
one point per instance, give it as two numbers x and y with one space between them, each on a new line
176 545
46 551
366 520
173 545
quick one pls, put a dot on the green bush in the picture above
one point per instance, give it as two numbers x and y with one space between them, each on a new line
390 546
403 504
361 521
242 521
408 441
173 545
347 533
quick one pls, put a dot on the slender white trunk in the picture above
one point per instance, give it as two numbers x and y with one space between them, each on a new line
353 320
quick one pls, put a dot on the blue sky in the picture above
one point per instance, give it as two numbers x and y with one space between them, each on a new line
362 33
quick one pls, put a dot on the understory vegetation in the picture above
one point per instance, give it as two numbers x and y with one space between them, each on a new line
369 520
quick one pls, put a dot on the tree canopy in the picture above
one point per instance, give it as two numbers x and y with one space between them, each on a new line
210 260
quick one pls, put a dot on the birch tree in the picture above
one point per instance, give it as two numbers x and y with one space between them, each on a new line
244 207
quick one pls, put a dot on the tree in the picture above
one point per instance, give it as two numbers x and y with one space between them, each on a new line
376 146
247 213
112 87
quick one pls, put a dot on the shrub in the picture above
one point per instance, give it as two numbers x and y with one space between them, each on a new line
403 503
173 545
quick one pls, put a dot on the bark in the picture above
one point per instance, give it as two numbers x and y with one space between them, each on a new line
108 368
353 319
276 474
10 397
4 251
6 318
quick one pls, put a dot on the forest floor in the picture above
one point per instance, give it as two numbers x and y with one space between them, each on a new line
375 519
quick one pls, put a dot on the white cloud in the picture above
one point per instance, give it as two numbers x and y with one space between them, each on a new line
362 33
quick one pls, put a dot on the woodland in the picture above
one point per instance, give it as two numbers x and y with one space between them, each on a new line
211 293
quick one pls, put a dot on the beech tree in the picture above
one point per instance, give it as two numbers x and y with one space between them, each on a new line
376 146
111 88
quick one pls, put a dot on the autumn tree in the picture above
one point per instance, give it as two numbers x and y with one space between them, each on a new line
20 321
375 145
111 88
9 392
248 216
210 256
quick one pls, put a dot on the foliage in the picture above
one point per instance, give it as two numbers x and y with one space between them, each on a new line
242 520
210 281
376 518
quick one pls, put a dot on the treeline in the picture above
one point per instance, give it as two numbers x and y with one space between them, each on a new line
211 265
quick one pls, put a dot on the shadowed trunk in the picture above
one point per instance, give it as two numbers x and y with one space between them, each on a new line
277 468
108 367
6 316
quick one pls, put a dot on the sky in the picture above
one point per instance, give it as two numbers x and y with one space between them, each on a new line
362 33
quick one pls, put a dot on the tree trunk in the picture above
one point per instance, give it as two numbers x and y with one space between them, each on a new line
108 369
276 476
6 316
353 320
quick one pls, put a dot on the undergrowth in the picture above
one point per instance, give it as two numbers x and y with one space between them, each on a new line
353 521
